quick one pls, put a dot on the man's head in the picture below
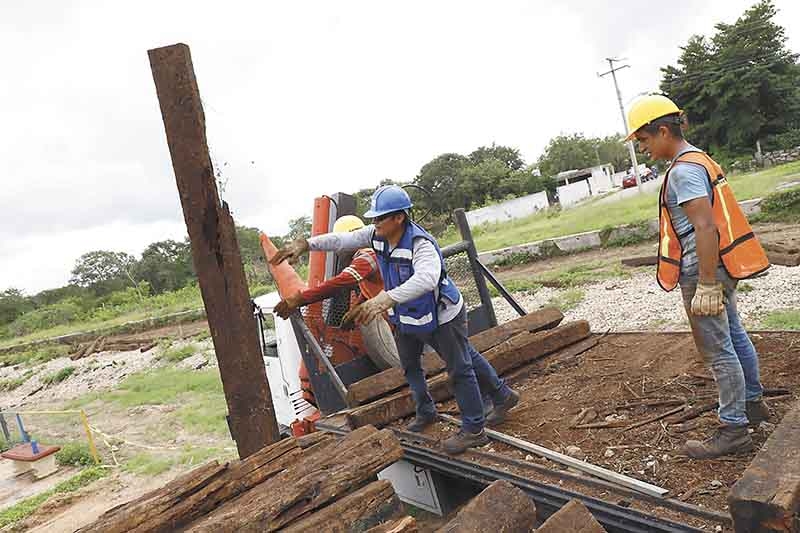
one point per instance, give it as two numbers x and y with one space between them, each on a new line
655 122
389 211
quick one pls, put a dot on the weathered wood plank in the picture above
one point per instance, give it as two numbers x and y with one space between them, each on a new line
767 496
215 253
648 260
783 258
322 477
407 524
393 379
500 507
357 511
504 357
573 517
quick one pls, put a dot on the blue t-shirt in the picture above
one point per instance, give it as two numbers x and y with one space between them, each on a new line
687 181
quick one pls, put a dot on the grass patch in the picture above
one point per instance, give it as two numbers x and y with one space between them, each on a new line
745 287
35 356
516 285
586 273
782 319
58 376
567 300
596 216
783 206
28 506
14 383
75 454
152 465
198 395
174 355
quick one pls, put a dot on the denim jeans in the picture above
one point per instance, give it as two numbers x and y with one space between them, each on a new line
724 344
470 373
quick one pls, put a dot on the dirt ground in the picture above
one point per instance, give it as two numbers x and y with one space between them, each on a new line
624 370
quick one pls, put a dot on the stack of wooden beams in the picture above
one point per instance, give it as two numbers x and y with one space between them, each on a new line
315 483
384 397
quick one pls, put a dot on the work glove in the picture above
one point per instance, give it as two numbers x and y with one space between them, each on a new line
291 251
708 300
366 312
288 305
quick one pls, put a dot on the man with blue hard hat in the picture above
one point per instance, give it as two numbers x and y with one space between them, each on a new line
426 308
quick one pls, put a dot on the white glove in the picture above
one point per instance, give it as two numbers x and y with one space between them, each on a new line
366 312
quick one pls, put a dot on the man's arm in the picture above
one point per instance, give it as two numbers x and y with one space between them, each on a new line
358 270
427 271
701 216
342 242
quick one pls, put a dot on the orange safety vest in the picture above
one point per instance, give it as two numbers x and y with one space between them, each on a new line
740 252
371 285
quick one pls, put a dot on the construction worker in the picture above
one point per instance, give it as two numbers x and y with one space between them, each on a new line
705 245
426 308
364 273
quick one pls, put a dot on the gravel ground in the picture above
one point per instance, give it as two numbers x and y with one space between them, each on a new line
638 303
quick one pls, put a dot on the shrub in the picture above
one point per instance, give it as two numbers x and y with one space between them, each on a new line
45 317
75 454
58 376
174 355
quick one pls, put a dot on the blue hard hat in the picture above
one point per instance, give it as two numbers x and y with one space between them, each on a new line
388 199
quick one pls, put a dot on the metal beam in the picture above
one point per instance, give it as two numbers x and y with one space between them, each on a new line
215 253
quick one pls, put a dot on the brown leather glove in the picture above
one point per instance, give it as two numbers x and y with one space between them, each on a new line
367 312
708 300
288 305
291 251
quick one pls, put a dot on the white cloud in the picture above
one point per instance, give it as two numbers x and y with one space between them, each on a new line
301 98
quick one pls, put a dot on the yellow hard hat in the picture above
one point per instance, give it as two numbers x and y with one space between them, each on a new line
648 108
347 223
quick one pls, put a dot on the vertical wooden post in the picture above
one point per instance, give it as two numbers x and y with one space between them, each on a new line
215 253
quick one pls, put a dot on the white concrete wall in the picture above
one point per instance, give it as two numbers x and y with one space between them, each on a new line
573 193
617 178
600 182
509 210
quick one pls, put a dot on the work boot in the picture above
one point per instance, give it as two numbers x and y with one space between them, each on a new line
757 412
421 422
726 440
463 440
500 411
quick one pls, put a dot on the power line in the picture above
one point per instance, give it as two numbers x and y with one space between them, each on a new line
631 149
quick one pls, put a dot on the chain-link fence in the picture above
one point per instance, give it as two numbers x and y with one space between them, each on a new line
460 271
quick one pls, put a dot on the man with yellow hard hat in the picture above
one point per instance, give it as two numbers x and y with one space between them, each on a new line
363 271
705 245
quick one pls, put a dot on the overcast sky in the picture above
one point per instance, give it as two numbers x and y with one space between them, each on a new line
301 99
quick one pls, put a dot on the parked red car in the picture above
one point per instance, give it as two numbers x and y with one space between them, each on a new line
630 180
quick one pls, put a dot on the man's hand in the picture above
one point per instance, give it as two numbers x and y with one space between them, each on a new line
366 312
708 300
291 251
288 305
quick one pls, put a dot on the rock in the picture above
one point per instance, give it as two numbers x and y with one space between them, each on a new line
715 484
574 451
529 457
609 453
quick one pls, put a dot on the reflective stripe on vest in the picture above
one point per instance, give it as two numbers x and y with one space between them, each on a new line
740 252
371 285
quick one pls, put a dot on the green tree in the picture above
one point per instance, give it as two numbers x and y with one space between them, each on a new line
104 272
299 228
165 265
255 264
740 86
13 303
567 152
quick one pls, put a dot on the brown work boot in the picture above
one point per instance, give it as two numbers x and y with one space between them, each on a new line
463 440
500 411
421 422
726 440
757 412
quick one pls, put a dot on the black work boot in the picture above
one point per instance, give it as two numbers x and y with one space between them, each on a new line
757 412
463 440
727 440
421 422
500 411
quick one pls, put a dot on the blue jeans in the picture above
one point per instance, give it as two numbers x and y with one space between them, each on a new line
723 342
470 373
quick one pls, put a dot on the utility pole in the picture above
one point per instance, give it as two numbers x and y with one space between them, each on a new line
215 253
631 149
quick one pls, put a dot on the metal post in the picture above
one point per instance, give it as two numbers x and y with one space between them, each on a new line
90 437
4 427
631 149
472 253
22 433
215 253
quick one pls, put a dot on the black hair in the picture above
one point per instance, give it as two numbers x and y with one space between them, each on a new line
673 123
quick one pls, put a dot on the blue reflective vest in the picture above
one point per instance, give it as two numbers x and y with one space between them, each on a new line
420 315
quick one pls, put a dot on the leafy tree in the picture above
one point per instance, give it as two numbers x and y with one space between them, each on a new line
255 264
13 303
740 86
510 157
567 152
165 265
299 228
103 271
